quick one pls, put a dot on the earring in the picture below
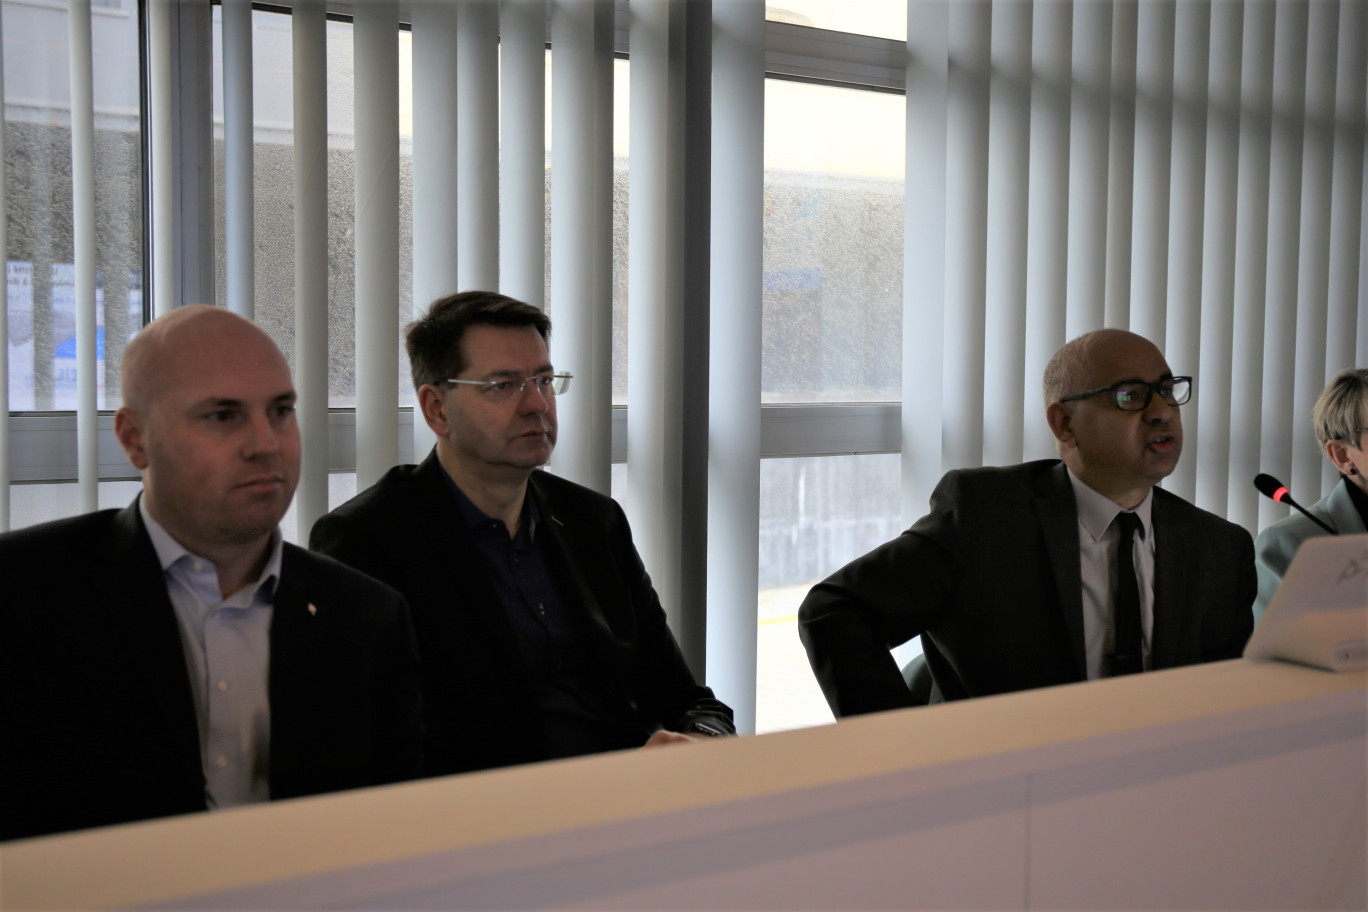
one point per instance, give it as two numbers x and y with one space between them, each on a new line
1353 471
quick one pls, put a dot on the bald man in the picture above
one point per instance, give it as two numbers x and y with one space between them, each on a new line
1019 576
177 655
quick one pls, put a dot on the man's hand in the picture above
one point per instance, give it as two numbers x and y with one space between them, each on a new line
669 737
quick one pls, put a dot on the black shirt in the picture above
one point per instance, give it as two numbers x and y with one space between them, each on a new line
1360 499
569 692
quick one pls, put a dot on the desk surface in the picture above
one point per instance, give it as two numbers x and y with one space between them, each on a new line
360 848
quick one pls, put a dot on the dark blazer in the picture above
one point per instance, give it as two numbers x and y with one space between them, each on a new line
990 579
406 531
96 709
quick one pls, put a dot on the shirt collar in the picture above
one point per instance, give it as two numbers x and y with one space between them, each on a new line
169 551
1096 511
1356 497
475 517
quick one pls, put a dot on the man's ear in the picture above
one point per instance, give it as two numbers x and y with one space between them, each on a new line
434 409
128 428
1338 453
1061 423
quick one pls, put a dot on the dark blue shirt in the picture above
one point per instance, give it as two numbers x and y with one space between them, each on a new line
572 695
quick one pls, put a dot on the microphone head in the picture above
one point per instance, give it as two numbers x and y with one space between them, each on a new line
1270 487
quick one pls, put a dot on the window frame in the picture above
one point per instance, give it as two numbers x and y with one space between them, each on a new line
43 444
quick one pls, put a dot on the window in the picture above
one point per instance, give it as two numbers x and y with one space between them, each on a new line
881 18
273 167
816 514
832 333
40 270
833 244
832 281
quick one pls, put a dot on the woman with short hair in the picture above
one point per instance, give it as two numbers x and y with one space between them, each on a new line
1341 422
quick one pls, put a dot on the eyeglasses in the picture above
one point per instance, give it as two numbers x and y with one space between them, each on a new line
503 390
1135 395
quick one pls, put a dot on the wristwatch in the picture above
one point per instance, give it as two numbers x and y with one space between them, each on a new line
705 728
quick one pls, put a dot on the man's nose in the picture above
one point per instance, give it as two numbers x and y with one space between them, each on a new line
533 398
262 436
1159 410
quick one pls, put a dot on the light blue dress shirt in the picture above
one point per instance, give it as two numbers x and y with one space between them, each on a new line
227 647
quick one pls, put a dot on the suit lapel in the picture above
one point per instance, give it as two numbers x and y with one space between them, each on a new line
151 637
1058 516
294 637
1173 546
1344 516
566 566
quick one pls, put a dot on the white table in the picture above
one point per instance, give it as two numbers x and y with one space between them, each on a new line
1234 785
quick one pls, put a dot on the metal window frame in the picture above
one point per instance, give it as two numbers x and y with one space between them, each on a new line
43 444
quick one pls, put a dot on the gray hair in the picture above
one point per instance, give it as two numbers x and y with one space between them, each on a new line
1339 411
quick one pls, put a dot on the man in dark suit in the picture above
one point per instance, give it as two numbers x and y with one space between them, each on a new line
1017 578
540 633
176 655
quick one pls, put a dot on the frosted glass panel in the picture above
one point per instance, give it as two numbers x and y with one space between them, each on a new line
833 244
816 514
39 268
273 101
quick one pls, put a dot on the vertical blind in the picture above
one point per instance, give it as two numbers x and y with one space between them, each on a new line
238 159
522 156
308 39
738 155
581 232
477 144
655 300
1215 151
1192 171
4 323
434 149
83 236
376 36
160 135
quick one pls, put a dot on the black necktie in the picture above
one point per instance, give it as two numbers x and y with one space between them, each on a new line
1127 658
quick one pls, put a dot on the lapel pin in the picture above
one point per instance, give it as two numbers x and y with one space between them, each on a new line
312 609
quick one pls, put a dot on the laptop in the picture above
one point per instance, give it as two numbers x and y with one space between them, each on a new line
1319 615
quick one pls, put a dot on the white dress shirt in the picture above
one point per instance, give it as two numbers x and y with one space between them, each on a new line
227 648
1097 542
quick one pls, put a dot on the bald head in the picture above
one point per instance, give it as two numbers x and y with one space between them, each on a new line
1073 367
1120 452
151 360
208 418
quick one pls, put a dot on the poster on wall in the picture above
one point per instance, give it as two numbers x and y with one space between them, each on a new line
64 337
19 283
24 328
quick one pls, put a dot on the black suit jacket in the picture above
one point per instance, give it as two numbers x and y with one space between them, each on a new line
406 531
96 709
990 579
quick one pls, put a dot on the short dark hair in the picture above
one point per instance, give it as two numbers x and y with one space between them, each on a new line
433 341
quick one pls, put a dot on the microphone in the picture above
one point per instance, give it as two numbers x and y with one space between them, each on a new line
1272 488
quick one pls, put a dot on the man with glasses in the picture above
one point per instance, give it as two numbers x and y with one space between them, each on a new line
1048 572
540 633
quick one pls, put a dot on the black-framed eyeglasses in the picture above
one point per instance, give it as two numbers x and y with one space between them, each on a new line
508 387
1135 395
